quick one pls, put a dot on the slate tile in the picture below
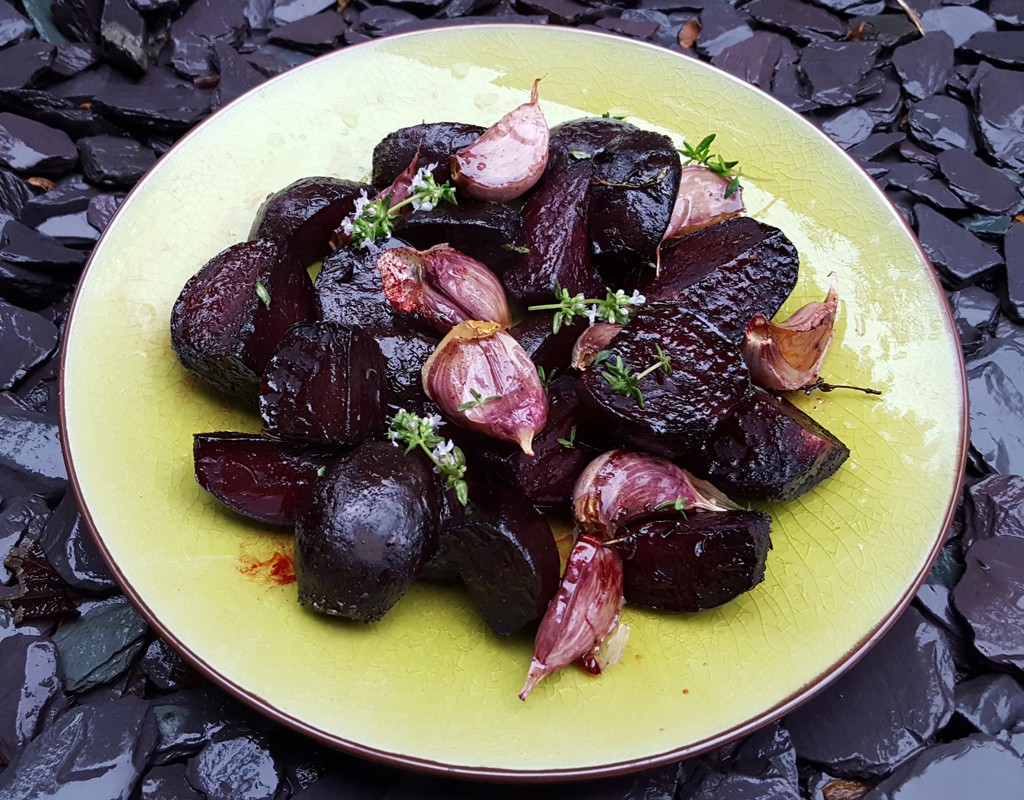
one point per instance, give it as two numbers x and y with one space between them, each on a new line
959 22
876 144
721 26
1000 115
995 379
70 549
31 694
29 146
13 26
20 244
991 703
1003 47
756 58
990 596
879 714
100 645
925 65
916 154
288 11
960 257
78 20
1013 252
25 64
888 30
68 196
887 106
316 34
199 28
20 518
240 765
992 226
167 783
30 455
114 161
26 339
849 127
942 123
1010 12
979 184
102 209
834 69
803 20
974 312
187 721
71 230
123 37
163 110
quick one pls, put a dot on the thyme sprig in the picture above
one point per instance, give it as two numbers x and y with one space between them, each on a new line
679 504
569 443
701 154
415 432
616 307
477 401
375 219
620 375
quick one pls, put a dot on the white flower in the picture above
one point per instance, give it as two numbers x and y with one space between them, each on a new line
361 202
419 180
592 314
444 448
421 205
636 299
433 420
346 225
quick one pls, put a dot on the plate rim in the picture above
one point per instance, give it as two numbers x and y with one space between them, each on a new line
531 776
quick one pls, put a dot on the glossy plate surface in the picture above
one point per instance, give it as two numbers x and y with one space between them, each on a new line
428 686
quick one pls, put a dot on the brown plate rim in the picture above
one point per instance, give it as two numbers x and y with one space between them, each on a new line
503 775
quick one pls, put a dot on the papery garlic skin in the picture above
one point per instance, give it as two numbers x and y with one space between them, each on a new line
508 158
442 286
583 612
787 356
483 380
622 485
591 342
398 191
701 201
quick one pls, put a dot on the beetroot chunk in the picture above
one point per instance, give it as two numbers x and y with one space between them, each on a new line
230 316
580 139
547 349
435 141
349 290
305 213
768 449
729 272
370 528
264 479
506 556
324 384
708 378
557 240
405 353
694 563
635 186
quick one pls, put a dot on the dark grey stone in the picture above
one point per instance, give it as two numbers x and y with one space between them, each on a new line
100 645
995 380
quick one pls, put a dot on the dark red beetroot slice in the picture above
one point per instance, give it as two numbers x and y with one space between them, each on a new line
349 291
728 272
264 479
680 408
557 240
552 351
325 383
583 138
370 528
305 214
436 141
507 558
492 233
635 186
767 449
223 330
405 353
694 563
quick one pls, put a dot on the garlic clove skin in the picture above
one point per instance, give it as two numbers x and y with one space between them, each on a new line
621 486
442 286
582 614
786 356
399 190
508 158
701 201
483 380
591 342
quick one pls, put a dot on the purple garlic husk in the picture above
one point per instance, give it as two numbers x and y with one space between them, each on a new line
508 158
786 356
483 381
582 614
591 342
442 287
621 486
399 190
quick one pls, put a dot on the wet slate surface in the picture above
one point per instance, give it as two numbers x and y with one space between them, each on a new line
100 706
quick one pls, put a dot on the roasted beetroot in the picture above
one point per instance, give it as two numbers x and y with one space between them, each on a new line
768 449
506 556
230 316
265 479
727 272
305 213
557 240
405 353
696 562
667 412
580 139
370 528
349 291
435 142
549 350
635 184
325 383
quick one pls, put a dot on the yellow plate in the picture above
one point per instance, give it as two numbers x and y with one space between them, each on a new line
428 686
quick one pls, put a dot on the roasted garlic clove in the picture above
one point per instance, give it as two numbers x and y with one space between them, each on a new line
786 356
582 614
508 158
442 286
621 485
703 198
591 342
484 381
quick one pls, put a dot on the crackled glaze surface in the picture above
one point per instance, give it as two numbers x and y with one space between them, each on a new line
428 685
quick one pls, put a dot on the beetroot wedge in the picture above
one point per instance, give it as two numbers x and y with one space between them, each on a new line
305 213
370 528
492 233
263 479
580 139
349 291
405 353
435 142
557 240
507 558
325 384
768 449
694 563
230 316
728 272
547 349
636 180
691 385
